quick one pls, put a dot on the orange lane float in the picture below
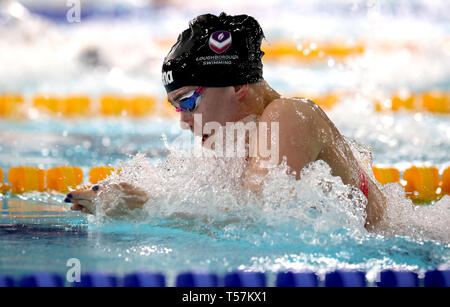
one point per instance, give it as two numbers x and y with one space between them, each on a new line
326 101
76 105
62 178
46 102
445 183
386 175
430 101
436 101
3 187
398 101
422 183
100 173
344 49
9 104
310 50
403 101
68 106
112 105
26 179
139 105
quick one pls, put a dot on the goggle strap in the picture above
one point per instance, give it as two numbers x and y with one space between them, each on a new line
200 89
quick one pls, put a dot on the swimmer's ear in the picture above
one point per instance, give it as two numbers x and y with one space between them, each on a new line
241 91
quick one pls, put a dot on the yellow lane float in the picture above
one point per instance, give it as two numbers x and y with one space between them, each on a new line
403 101
67 106
143 105
445 186
436 101
9 104
76 105
422 183
62 178
139 105
3 187
310 50
26 179
429 101
326 101
386 175
112 105
100 173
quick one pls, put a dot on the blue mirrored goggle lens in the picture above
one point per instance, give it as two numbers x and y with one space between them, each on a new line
190 103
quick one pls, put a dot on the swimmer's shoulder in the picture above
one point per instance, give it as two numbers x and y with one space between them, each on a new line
290 108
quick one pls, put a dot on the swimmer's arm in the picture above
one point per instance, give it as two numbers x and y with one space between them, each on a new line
132 198
296 140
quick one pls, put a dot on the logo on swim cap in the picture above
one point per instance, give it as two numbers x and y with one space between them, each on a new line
220 41
167 77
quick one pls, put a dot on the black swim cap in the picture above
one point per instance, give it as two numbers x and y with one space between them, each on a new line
215 51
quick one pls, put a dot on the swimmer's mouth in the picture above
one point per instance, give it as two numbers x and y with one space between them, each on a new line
204 137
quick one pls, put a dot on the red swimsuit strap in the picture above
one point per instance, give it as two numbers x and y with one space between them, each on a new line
363 183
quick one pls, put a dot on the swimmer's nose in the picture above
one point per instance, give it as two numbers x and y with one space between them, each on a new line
186 120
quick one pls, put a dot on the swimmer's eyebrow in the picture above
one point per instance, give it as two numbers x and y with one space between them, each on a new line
178 96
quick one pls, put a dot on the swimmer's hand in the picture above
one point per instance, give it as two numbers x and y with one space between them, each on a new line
84 201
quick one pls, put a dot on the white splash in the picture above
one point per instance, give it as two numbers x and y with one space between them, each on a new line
206 195
417 221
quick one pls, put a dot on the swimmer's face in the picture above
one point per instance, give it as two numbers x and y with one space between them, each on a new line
218 104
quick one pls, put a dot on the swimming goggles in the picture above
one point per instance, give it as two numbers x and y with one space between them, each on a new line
189 101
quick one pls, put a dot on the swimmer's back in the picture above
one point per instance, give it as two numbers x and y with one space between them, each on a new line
334 149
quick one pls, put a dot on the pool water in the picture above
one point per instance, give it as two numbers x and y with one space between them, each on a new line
207 223
39 232
45 240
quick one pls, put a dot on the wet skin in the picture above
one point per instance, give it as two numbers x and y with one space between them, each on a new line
306 134
84 201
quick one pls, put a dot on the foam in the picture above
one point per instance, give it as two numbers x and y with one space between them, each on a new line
205 195
421 222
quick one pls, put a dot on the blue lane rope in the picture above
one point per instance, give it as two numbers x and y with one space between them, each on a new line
338 278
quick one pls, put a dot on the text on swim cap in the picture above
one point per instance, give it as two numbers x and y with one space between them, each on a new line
167 77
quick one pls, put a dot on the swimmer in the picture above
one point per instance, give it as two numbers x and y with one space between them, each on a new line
215 70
